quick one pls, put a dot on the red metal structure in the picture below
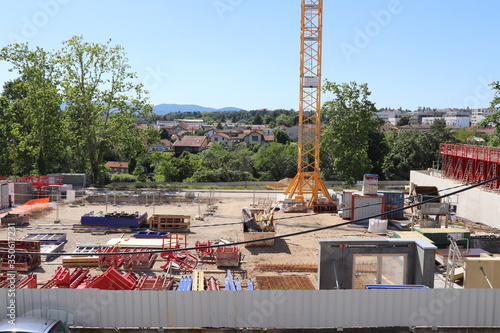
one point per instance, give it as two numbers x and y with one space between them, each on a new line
40 183
62 278
114 261
19 261
184 260
227 256
205 251
154 283
30 281
469 163
111 279
143 260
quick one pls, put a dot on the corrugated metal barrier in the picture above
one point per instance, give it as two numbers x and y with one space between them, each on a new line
260 309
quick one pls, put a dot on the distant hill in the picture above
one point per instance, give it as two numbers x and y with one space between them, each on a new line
168 108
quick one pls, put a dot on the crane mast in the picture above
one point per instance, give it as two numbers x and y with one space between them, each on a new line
307 184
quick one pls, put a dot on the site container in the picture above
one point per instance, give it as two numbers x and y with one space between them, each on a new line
346 204
394 199
366 206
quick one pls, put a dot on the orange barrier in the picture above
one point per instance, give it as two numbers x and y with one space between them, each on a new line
30 206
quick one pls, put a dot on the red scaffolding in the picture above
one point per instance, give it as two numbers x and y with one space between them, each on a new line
469 163
40 183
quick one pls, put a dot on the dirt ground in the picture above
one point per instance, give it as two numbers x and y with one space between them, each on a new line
225 224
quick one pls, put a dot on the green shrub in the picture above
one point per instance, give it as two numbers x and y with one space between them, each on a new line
123 178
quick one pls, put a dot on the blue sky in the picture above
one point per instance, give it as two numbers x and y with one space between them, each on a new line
245 53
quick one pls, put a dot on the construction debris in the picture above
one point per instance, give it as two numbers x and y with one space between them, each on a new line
258 224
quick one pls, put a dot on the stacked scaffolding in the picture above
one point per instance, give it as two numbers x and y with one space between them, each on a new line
469 163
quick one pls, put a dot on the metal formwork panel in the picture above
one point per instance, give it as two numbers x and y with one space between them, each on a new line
469 163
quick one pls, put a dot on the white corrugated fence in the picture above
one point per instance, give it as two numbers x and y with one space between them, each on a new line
260 308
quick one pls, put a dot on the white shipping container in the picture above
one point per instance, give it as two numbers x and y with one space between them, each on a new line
346 204
365 206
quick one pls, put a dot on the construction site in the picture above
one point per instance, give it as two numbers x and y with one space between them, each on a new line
299 258
254 241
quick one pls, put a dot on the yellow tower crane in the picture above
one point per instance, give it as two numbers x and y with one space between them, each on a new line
307 185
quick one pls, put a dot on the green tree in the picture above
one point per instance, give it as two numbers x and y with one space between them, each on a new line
493 119
284 120
378 148
462 134
258 120
281 136
165 169
101 100
404 120
36 120
412 150
276 161
345 136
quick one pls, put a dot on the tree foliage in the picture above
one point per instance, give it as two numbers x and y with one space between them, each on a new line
414 150
276 161
34 120
345 138
281 136
101 101
71 109
493 119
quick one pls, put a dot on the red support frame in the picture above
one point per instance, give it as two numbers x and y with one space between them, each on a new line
469 163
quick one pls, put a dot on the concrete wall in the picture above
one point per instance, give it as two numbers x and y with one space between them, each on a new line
340 252
475 204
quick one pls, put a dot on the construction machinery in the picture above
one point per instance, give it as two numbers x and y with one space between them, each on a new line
307 185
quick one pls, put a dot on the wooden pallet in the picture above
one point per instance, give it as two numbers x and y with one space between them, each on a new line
80 262
170 223
198 280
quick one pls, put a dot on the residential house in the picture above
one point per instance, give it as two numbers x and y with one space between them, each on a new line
192 144
388 127
258 127
164 145
221 137
254 137
118 167
211 132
